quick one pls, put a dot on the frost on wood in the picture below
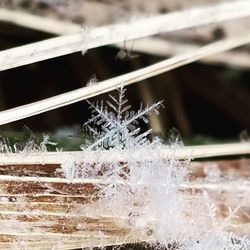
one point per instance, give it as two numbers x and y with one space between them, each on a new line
141 186
120 189
27 144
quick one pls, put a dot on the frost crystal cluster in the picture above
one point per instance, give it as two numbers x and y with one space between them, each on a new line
144 186
27 144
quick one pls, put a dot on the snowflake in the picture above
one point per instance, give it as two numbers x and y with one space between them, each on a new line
119 127
143 187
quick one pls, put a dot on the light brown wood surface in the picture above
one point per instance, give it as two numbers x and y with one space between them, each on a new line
39 209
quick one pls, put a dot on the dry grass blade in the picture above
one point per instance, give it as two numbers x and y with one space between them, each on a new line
55 102
149 45
192 152
87 39
163 47
219 12
43 24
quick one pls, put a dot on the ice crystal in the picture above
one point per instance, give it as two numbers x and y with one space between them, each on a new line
141 185
119 128
93 81
126 53
25 145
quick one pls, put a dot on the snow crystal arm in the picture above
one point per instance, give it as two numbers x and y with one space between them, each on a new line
119 105
142 113
102 139
102 116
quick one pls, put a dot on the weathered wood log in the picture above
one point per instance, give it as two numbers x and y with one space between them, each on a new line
63 211
40 209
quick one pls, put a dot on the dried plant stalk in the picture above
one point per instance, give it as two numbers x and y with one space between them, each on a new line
163 47
187 152
55 102
149 45
84 40
39 23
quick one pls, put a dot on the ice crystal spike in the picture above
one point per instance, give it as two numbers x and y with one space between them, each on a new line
118 124
27 144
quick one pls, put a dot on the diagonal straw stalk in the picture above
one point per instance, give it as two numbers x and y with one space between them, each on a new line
88 39
187 152
162 47
213 13
149 45
68 98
